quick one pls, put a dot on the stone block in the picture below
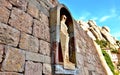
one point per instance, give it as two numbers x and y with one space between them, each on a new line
14 60
1 52
33 10
38 29
10 73
33 68
47 59
5 3
21 20
44 19
9 35
47 69
41 30
29 43
47 33
80 59
44 48
22 4
34 57
4 14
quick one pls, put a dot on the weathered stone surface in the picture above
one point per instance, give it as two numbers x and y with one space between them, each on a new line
19 3
33 10
5 3
80 59
44 19
38 29
33 68
29 42
47 33
47 69
54 2
41 29
44 48
44 4
10 73
4 14
91 35
9 35
107 36
37 57
84 25
1 52
34 57
14 60
106 28
21 20
47 59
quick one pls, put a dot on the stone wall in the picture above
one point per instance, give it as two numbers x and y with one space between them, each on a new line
25 40
25 37
88 59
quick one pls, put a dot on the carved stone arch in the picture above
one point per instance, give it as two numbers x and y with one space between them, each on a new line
55 14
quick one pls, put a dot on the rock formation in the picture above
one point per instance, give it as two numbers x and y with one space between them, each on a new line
100 33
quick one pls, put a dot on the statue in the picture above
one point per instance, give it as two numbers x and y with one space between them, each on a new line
64 38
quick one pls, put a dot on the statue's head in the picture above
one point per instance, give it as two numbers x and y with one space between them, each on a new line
63 18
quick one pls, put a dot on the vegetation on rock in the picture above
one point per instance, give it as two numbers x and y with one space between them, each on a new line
108 60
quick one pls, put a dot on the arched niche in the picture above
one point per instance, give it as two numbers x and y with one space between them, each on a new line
55 14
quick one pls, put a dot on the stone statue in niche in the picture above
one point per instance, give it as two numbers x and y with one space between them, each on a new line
64 39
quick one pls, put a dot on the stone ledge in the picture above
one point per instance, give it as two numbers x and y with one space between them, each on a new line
60 70
37 57
34 57
10 73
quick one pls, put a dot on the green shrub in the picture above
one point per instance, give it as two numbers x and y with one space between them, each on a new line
108 60
102 43
114 50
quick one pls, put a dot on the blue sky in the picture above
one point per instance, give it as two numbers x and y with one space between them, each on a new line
104 12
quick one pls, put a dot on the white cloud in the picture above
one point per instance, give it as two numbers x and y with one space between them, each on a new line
112 14
104 18
85 15
95 18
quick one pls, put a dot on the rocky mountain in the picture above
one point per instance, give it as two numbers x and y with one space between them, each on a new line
98 33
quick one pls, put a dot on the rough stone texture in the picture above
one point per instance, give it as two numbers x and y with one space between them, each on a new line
29 43
9 35
47 59
107 36
33 68
41 28
34 57
47 70
5 3
38 29
54 2
106 28
1 52
19 3
87 55
14 60
33 10
9 73
44 48
4 14
83 25
21 20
